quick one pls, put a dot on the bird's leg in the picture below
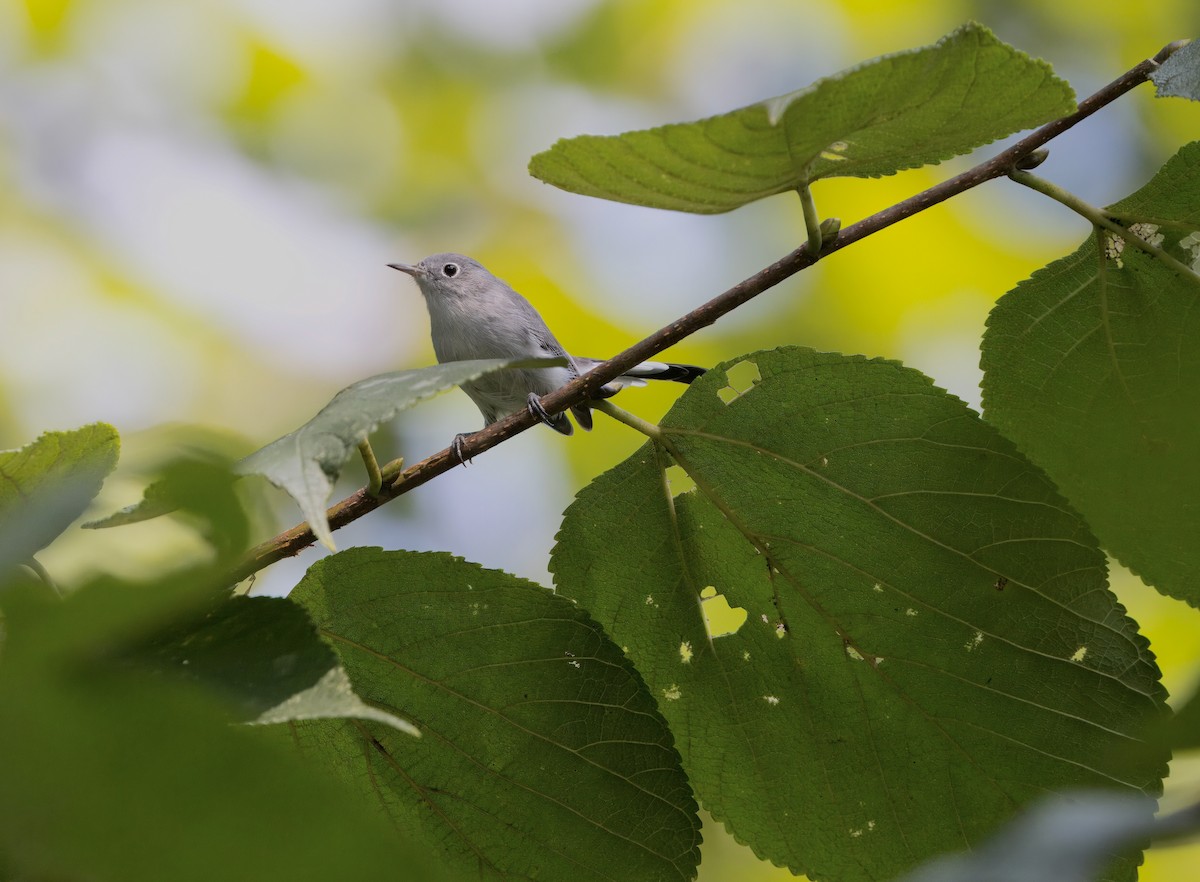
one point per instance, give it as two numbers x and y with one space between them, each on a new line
535 408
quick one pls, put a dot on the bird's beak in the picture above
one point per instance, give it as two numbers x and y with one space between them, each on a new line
413 271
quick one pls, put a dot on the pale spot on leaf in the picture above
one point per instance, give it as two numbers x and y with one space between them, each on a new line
1191 244
1147 233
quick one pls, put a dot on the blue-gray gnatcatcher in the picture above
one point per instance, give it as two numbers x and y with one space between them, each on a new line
472 314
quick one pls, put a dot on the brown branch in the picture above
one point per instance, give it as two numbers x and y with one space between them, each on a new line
356 505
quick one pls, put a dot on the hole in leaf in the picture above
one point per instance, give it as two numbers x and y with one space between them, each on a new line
720 619
679 480
741 378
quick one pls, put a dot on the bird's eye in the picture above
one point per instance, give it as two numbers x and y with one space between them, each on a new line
450 270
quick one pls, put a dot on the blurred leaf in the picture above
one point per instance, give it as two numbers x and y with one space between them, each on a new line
201 486
896 112
307 461
928 643
117 775
332 697
47 484
1070 838
255 651
542 756
264 656
160 499
1184 727
1179 75
1091 367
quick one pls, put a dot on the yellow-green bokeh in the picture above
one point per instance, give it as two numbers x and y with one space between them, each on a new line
405 130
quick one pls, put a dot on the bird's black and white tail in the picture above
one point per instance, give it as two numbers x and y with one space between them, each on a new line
640 373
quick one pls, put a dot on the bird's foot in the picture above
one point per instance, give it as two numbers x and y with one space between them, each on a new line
535 407
456 446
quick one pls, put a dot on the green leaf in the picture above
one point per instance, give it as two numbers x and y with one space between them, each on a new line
1071 838
924 639
46 485
115 774
1179 75
307 461
542 756
1091 367
896 112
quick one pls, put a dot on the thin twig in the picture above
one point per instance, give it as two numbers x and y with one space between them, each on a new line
356 505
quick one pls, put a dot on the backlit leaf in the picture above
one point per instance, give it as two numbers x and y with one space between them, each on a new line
1091 366
47 484
541 756
896 112
928 640
307 461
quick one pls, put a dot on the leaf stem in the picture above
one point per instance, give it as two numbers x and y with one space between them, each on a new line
374 476
1099 218
293 541
812 220
651 431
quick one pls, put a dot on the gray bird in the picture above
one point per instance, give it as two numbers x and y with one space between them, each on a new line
473 314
